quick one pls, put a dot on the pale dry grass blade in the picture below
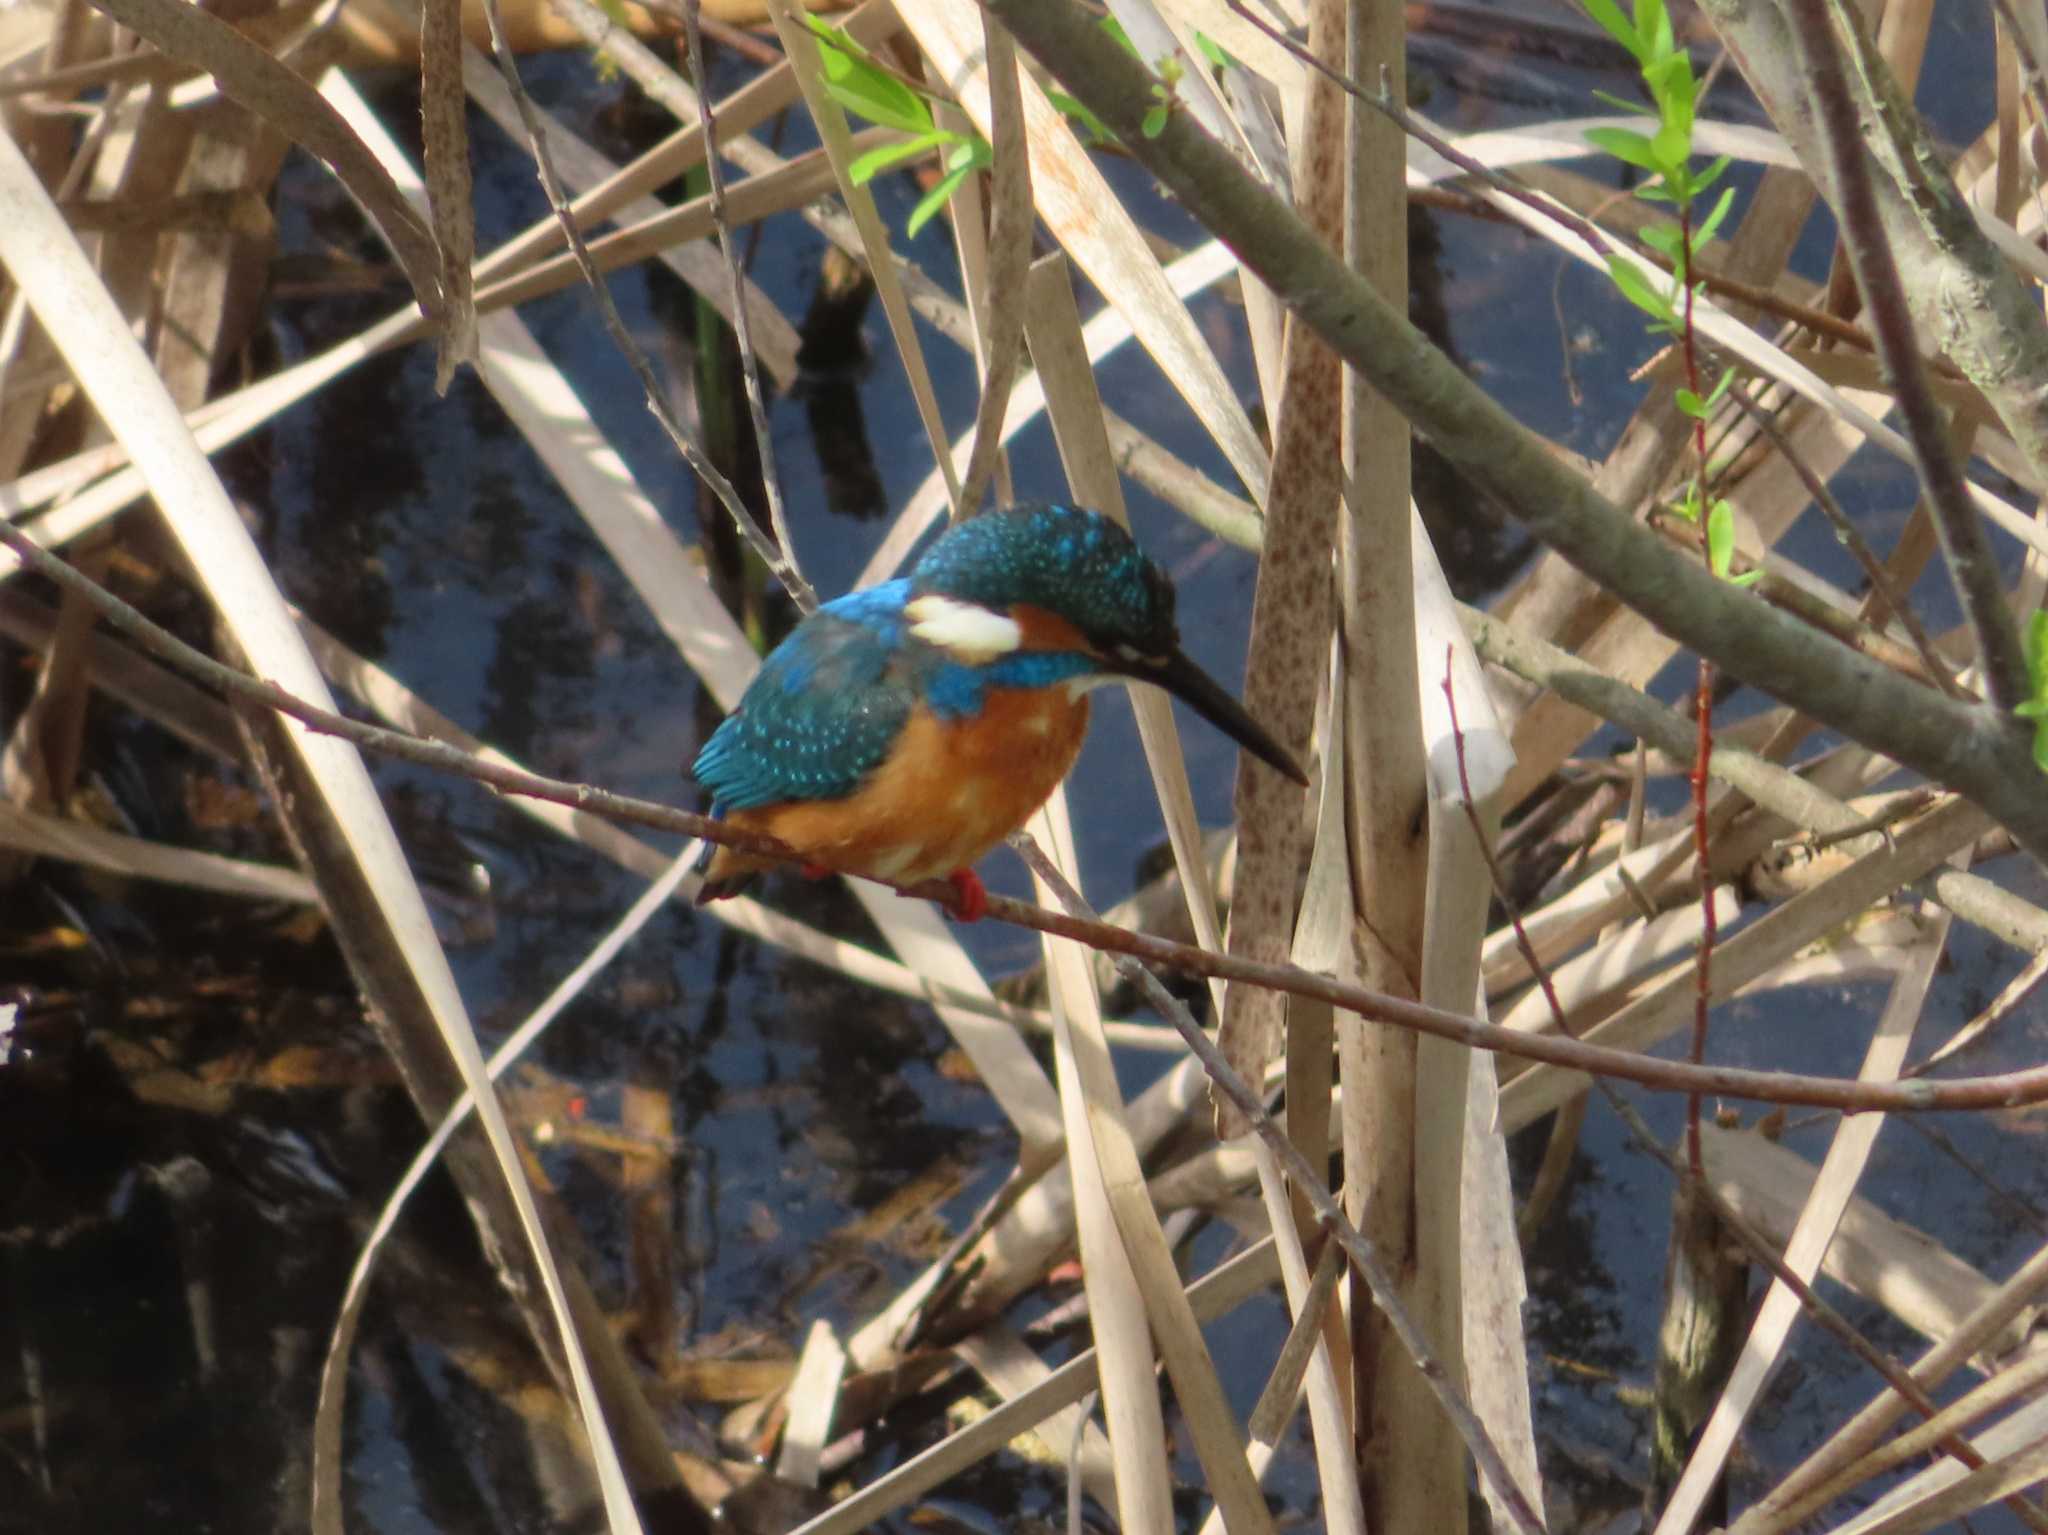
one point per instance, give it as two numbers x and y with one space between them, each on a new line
812 1397
739 114
1942 1495
2021 1381
1496 1292
274 93
1913 1276
789 187
1813 805
1007 1363
90 332
1847 1156
1324 1385
1104 333
1087 217
1818 1478
801 48
328 1417
1323 941
999 264
1066 378
1639 949
1751 953
547 411
1109 1183
601 183
95 847
444 133
1118 1312
1250 46
1222 1290
136 682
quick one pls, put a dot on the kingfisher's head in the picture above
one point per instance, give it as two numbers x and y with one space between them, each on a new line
980 590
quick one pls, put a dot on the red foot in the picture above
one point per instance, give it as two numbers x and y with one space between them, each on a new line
970 900
813 870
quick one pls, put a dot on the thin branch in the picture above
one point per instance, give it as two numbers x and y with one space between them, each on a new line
1853 540
774 558
2005 1090
1982 751
1971 564
1688 1172
1360 1250
742 326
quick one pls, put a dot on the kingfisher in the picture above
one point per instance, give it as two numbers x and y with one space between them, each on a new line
903 730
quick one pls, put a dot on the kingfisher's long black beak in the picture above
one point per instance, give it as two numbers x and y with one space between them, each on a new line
1206 696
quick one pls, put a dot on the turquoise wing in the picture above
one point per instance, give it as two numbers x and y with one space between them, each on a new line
823 712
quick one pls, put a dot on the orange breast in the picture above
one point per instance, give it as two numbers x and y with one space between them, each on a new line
951 789
949 792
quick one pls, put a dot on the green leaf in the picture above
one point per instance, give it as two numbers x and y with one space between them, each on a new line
1635 287
867 167
1665 239
863 87
2037 652
932 201
1617 26
971 154
1720 538
1670 148
1631 108
1653 23
1670 82
1155 121
1713 219
1096 130
1690 403
1706 178
1217 58
1624 144
1746 579
1721 386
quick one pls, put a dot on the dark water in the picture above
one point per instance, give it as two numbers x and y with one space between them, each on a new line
200 1127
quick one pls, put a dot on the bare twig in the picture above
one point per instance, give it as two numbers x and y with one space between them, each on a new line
1853 540
2005 1090
1688 1173
742 327
1363 1255
774 558
1971 564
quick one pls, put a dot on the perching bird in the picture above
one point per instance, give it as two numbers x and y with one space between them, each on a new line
903 730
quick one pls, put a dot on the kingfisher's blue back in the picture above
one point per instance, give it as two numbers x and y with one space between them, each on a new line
902 730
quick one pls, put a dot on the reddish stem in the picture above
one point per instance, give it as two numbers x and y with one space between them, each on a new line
1703 710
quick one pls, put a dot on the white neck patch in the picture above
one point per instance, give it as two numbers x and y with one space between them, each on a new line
966 631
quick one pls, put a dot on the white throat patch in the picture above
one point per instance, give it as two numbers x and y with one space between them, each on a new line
964 630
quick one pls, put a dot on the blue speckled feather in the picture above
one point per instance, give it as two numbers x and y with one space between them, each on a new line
822 712
831 701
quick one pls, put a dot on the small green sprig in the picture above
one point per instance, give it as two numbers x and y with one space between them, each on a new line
864 88
867 90
1156 115
1666 154
2036 706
